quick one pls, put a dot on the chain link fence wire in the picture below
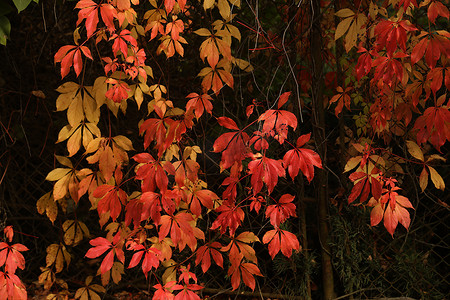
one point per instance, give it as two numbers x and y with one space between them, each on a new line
368 262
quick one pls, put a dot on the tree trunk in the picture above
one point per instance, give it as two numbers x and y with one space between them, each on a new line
318 118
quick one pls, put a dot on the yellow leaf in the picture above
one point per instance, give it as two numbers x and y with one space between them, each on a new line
47 278
423 179
48 205
247 237
436 178
63 101
205 71
373 10
107 163
207 4
435 157
345 13
74 232
352 163
93 295
361 20
350 38
57 174
58 255
138 97
113 106
224 8
123 142
203 32
235 3
81 293
224 48
170 274
172 152
342 28
414 150
88 280
94 145
87 136
76 36
75 113
99 90
377 159
97 288
116 272
64 161
243 65
90 109
67 87
74 142
65 133
93 129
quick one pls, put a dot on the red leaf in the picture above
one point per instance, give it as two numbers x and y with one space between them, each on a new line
280 212
111 200
163 292
121 42
231 144
227 123
436 9
433 126
256 203
204 254
247 271
198 104
280 120
283 99
265 170
302 159
71 55
230 216
151 257
101 245
11 257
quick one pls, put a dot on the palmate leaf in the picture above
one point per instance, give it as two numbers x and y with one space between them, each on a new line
198 104
151 257
181 229
89 11
11 287
433 126
11 256
279 120
281 240
153 173
243 270
230 216
302 159
102 245
204 254
241 246
280 212
265 170
111 200
391 207
89 291
70 56
232 145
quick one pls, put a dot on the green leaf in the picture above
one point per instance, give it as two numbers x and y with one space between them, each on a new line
21 4
5 29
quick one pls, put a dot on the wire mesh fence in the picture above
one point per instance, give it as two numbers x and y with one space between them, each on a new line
368 263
